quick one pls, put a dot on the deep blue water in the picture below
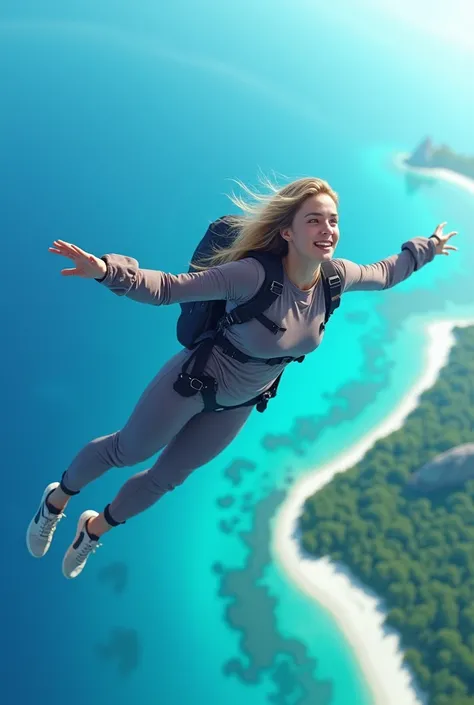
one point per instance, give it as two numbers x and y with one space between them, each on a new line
120 128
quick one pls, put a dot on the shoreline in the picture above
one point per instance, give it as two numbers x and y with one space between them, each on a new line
357 610
452 177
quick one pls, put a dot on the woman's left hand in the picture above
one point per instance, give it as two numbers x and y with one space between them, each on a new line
441 239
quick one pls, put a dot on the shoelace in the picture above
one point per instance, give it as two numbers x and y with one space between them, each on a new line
49 524
89 547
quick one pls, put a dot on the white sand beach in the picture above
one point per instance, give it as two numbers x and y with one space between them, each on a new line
357 610
453 177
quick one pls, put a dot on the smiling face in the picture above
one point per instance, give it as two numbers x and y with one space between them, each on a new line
314 233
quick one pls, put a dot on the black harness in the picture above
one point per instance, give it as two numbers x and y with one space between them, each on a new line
193 381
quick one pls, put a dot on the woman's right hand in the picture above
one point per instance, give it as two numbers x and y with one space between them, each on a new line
86 265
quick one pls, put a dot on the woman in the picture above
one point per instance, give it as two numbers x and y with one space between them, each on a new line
298 222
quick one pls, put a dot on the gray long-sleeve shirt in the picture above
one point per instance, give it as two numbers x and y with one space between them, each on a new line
300 312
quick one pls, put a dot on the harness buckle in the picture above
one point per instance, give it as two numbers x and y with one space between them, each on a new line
187 386
333 283
229 319
263 401
276 288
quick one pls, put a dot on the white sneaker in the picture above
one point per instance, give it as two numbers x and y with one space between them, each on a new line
83 545
41 529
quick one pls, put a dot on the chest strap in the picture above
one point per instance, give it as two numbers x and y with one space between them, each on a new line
231 351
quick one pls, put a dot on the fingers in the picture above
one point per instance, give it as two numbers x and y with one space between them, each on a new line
62 248
446 248
439 228
80 258
62 244
73 252
80 252
67 249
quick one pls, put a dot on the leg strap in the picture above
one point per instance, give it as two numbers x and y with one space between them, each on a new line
194 382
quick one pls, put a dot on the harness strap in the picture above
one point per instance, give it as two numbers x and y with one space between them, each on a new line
209 391
332 292
231 351
195 381
269 325
236 316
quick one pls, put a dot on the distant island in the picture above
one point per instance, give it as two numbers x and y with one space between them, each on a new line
402 520
427 156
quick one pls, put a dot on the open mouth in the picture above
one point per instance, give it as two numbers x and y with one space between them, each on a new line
323 245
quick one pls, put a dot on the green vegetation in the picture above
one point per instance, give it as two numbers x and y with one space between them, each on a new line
446 158
427 155
416 551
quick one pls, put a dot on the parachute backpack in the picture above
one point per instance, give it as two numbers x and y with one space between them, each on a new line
201 324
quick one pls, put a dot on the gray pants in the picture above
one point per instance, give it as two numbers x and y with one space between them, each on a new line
161 418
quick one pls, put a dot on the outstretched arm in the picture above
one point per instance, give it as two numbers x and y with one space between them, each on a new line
235 281
386 273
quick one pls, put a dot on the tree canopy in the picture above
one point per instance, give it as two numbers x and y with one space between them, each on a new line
416 551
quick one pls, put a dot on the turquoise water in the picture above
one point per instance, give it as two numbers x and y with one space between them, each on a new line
119 131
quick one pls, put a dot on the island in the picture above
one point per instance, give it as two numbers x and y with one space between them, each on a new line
401 520
400 459
427 156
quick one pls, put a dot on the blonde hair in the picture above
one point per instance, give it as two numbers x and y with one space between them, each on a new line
260 224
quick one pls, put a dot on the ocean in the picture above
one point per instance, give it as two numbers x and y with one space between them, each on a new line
120 130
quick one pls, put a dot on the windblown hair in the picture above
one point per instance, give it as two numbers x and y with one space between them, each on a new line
260 224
